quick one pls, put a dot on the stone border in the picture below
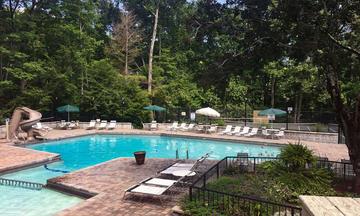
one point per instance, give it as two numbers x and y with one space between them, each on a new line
253 142
29 165
70 190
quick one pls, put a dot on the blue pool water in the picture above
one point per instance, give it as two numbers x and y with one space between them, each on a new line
86 151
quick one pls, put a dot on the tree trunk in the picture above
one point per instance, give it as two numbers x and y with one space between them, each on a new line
151 52
126 71
352 140
273 82
349 121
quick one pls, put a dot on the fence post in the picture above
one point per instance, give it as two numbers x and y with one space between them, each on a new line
204 180
226 162
254 164
344 164
177 153
292 212
217 171
190 193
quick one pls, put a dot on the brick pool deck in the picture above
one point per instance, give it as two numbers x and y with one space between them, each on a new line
111 178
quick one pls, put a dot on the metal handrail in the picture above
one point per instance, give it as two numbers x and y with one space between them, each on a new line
22 184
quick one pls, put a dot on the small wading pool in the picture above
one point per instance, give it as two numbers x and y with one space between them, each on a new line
81 152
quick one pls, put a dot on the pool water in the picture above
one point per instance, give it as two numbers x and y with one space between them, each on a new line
81 152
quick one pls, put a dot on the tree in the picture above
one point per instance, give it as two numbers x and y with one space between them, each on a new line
151 50
124 44
327 32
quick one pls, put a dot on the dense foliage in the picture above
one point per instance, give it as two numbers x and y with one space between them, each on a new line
207 53
281 181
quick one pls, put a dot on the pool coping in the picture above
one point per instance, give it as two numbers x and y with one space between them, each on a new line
29 165
225 139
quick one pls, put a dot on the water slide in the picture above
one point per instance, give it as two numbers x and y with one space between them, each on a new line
24 118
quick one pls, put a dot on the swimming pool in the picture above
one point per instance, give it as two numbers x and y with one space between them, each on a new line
81 152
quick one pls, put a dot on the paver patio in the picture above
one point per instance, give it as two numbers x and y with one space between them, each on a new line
110 179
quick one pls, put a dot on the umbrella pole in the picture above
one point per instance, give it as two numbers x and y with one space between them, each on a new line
68 116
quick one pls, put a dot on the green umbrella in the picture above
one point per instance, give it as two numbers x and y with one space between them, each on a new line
154 108
272 111
68 108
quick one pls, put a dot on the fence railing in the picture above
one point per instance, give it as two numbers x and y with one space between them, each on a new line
22 184
233 204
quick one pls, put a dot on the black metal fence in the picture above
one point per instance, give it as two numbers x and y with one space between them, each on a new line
232 204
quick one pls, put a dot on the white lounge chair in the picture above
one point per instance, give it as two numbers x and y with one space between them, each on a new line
244 131
71 125
188 128
173 126
212 129
264 133
102 125
91 125
227 129
112 125
235 131
280 134
253 132
39 126
182 125
153 125
184 166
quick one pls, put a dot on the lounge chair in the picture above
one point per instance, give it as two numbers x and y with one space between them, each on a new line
39 126
280 134
182 125
188 128
72 125
253 132
147 189
112 125
200 128
184 166
244 131
153 125
62 125
264 133
152 186
91 125
102 125
212 129
227 129
173 126
235 131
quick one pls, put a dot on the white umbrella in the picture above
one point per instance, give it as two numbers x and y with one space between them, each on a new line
207 112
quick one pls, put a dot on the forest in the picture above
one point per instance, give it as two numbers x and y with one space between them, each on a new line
113 57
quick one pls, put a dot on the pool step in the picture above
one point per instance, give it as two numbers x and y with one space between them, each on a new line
22 184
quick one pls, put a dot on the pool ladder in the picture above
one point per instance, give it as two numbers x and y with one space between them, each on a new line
21 184
177 154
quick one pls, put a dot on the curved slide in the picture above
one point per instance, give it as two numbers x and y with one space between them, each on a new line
24 118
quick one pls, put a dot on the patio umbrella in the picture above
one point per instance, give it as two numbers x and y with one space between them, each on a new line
272 111
154 108
68 108
208 112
